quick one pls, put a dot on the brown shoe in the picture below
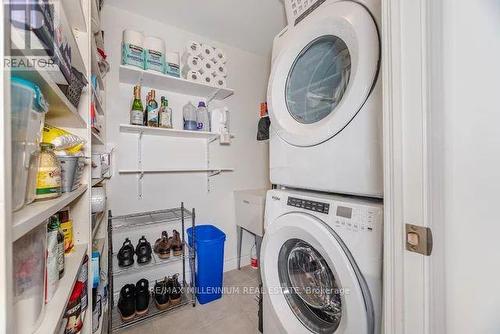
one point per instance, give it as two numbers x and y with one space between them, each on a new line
163 245
175 290
176 243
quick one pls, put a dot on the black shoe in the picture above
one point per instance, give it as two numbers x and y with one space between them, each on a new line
174 289
142 295
126 254
126 302
162 298
143 251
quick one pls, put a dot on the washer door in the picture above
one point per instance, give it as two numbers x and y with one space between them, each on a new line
324 74
312 281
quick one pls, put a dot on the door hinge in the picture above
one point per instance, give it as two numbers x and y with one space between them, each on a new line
418 239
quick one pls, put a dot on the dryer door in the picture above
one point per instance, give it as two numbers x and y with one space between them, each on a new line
324 74
313 283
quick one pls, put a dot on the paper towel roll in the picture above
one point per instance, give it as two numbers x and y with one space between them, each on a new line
207 67
219 82
207 79
207 52
220 70
194 48
133 37
191 63
219 56
98 199
194 76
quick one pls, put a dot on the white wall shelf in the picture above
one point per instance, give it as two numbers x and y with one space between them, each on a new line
133 75
176 170
95 63
36 213
97 181
55 308
126 128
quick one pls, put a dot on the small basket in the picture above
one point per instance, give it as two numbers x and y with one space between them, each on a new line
73 91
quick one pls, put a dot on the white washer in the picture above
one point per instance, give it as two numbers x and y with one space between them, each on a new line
321 264
325 101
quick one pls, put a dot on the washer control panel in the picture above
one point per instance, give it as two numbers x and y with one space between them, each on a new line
308 205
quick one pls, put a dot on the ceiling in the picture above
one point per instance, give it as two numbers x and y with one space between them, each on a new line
246 24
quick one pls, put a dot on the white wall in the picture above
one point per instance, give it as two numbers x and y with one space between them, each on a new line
248 74
472 170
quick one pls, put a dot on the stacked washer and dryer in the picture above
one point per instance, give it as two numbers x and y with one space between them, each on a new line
321 257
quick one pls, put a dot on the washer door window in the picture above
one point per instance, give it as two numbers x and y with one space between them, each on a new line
324 73
318 79
312 282
309 286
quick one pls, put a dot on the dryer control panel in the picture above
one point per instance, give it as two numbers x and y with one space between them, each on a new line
309 205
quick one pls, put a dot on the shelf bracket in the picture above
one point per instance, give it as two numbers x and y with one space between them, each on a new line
212 97
140 176
214 173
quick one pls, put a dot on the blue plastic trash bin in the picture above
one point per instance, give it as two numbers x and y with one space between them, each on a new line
210 261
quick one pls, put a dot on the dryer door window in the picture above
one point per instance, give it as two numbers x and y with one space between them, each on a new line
309 286
318 79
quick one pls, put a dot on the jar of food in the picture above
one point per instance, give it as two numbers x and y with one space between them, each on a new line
48 183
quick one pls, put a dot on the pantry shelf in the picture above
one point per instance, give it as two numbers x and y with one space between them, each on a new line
97 181
132 75
54 310
74 13
98 103
36 213
126 128
96 138
95 63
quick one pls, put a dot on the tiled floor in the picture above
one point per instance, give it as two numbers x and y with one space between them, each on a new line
235 312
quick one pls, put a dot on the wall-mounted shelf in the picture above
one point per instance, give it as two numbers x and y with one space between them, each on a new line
55 308
213 171
133 75
36 213
126 128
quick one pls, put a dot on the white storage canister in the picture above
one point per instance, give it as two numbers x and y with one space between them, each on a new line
29 279
28 108
154 48
133 48
172 66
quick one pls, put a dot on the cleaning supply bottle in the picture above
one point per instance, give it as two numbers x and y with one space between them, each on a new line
202 117
189 115
165 117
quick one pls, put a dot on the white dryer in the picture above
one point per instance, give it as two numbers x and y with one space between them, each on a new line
321 264
325 100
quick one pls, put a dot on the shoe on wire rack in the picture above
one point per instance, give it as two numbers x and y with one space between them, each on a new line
175 290
142 295
161 294
126 254
176 243
126 302
162 246
143 251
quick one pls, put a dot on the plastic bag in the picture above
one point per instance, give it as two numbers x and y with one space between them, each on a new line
62 139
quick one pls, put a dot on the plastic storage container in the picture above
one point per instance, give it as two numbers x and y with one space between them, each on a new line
210 261
189 115
29 279
28 108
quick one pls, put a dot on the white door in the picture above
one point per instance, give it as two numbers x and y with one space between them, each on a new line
313 284
324 73
442 149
